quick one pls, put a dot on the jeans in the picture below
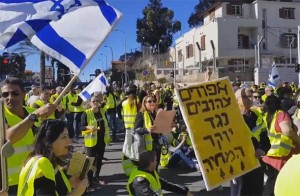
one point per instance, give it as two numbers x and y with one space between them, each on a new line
70 121
178 156
112 123
77 124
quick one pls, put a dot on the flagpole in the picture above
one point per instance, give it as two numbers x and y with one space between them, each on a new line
66 89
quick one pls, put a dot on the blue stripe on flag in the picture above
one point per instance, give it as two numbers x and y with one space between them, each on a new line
37 24
103 80
107 11
272 84
21 1
17 37
86 95
50 38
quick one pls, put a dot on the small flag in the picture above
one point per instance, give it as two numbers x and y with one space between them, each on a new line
274 78
97 85
70 31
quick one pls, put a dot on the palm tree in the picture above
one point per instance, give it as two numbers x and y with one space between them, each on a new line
26 48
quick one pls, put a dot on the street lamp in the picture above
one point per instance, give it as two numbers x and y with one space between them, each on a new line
292 42
158 55
125 68
112 54
105 60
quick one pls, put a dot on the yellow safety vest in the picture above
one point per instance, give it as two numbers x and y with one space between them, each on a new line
148 137
154 181
80 107
110 102
40 103
35 168
71 99
22 147
165 156
129 114
281 145
260 124
127 165
89 140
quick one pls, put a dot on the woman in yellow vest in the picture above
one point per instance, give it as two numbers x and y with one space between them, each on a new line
284 140
42 174
129 111
96 134
144 125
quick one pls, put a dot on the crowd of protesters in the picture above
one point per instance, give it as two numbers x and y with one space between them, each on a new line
41 133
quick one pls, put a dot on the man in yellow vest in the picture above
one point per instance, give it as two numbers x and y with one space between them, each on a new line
252 183
73 107
144 180
19 127
111 112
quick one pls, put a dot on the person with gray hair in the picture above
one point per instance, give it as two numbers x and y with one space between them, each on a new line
251 183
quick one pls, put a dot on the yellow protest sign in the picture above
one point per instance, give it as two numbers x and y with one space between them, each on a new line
219 134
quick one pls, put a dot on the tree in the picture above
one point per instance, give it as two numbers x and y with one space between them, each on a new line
196 18
157 24
26 48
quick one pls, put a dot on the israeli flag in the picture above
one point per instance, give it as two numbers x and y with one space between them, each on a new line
97 85
274 78
70 31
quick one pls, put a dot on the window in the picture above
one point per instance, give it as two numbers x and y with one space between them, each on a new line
233 9
287 13
243 41
287 40
189 51
236 10
179 55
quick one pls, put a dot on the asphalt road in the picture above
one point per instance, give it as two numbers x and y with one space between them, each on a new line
116 180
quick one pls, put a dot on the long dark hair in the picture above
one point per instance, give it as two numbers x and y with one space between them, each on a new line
47 133
271 106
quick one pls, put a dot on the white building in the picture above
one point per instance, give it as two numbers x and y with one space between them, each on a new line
233 28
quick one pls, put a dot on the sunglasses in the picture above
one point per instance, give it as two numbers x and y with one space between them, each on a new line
151 101
12 93
256 97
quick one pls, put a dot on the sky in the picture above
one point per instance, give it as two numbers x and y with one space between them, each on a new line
131 10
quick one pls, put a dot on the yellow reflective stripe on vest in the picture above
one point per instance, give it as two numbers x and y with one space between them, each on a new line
107 138
153 181
281 145
148 137
128 166
129 114
35 168
15 162
90 139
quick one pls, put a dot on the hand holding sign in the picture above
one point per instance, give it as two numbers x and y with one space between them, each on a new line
164 121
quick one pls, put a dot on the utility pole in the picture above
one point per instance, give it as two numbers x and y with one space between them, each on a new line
259 63
200 62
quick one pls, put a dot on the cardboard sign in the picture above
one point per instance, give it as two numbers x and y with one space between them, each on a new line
164 121
220 137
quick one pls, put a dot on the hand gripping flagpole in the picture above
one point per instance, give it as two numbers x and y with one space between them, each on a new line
66 89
